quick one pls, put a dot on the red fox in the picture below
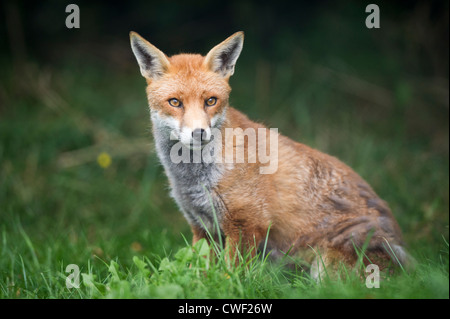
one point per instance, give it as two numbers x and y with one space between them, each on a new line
305 199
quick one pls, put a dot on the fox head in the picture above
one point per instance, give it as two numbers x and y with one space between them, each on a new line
188 93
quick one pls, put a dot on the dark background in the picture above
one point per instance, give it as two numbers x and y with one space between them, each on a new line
417 30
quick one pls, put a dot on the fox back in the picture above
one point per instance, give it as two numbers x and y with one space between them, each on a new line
307 199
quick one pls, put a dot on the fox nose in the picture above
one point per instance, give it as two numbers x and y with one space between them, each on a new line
199 134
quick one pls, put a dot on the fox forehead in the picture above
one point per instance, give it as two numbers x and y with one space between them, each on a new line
187 79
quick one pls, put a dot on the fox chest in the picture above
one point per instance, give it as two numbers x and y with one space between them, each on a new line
193 184
193 188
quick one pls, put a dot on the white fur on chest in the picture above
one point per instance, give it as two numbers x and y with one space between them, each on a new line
192 184
193 188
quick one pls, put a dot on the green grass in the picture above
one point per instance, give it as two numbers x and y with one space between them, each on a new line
191 273
58 206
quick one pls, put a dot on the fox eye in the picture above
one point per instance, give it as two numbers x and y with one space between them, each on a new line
211 101
175 102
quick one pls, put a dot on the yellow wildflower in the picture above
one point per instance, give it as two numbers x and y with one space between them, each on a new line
104 160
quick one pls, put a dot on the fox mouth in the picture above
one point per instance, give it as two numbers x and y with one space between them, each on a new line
193 140
197 145
199 141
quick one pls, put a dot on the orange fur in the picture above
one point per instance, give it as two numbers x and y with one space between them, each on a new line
313 199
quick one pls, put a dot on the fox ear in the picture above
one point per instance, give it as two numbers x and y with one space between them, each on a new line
152 62
222 58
